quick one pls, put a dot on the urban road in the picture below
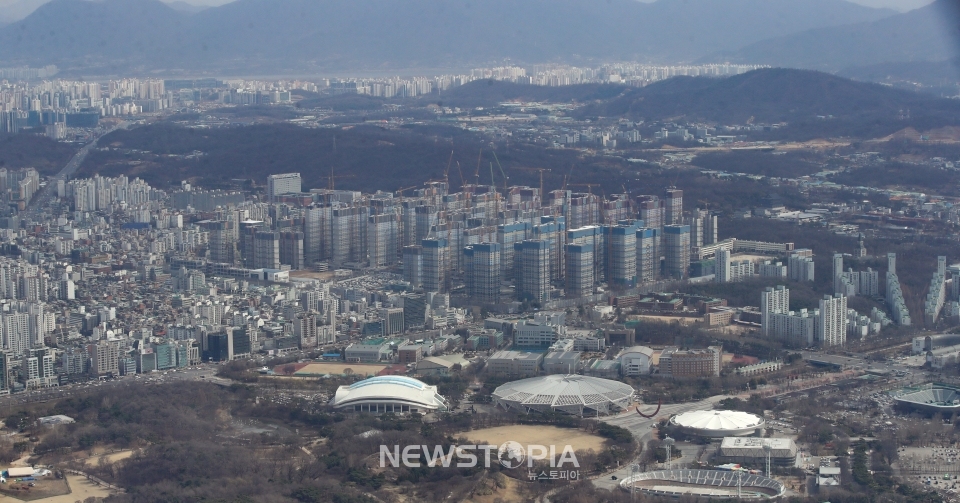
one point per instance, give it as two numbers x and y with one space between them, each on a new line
48 191
904 370
203 373
643 429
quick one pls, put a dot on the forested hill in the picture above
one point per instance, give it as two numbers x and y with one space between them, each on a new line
775 95
365 157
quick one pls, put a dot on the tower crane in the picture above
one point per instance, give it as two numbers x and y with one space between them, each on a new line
462 181
505 177
401 191
541 170
589 186
477 174
332 179
446 172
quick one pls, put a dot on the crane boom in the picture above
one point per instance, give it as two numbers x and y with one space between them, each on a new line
446 172
541 170
477 174
501 172
462 181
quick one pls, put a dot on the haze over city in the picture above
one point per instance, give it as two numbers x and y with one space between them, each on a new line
381 251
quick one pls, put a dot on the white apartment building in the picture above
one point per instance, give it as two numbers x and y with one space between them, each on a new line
530 334
832 322
730 271
826 326
800 268
773 301
285 183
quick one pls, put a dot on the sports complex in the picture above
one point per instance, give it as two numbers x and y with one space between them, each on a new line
397 394
930 398
572 394
703 483
718 423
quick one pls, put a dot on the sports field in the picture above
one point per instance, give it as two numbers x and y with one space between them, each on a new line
339 368
537 435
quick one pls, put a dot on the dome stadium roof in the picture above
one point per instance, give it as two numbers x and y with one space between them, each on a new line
390 389
931 399
718 423
568 393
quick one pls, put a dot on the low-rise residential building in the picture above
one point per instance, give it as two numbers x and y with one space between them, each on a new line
607 369
515 363
759 368
675 362
372 350
561 362
442 365
409 353
636 360
532 335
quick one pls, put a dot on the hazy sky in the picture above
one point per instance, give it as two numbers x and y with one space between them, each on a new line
203 2
900 5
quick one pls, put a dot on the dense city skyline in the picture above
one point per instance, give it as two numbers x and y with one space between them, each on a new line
381 251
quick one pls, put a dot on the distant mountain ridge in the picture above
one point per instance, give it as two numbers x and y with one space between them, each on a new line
780 95
273 35
15 10
930 33
108 32
189 8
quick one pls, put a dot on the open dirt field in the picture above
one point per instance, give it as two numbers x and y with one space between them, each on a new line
338 368
510 493
109 458
323 276
44 488
540 435
80 489
683 320
487 491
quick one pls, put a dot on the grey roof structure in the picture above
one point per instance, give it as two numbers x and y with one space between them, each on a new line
573 394
932 400
718 423
708 483
747 449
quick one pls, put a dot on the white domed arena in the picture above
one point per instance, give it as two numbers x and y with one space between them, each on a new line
382 394
572 394
718 423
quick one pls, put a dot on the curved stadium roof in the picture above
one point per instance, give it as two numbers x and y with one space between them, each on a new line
392 389
568 393
700 482
933 399
718 422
